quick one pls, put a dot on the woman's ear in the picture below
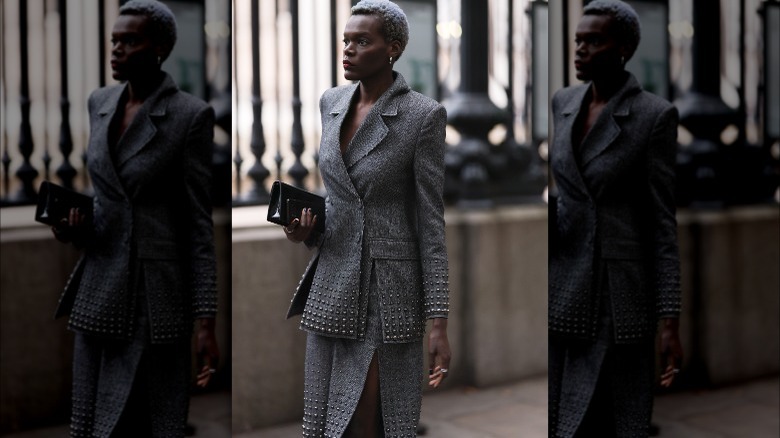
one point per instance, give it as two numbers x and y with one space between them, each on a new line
162 52
625 53
395 49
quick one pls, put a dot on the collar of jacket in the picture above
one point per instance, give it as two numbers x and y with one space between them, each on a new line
606 127
386 105
372 130
155 105
619 104
140 132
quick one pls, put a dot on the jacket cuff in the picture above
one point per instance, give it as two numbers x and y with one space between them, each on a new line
436 289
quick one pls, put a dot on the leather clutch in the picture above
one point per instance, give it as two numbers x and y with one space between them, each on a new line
55 202
288 201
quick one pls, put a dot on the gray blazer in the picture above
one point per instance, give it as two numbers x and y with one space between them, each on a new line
384 218
615 203
152 218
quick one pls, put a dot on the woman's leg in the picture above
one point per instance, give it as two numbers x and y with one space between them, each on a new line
366 422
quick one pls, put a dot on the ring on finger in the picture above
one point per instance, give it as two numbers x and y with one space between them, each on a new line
289 230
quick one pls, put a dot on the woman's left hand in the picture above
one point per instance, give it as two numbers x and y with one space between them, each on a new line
208 351
671 350
299 230
438 353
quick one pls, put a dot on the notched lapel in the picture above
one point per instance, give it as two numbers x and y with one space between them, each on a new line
599 138
607 128
370 133
101 165
331 160
563 140
373 128
143 128
135 138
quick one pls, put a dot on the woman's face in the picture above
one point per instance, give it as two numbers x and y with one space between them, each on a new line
366 53
133 53
597 53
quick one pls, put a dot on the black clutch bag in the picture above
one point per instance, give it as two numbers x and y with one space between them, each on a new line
288 201
55 202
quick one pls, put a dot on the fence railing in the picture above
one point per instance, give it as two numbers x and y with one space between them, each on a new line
280 138
54 53
285 54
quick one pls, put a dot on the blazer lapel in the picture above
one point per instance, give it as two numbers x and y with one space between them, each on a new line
330 149
373 129
606 129
142 129
563 140
101 165
599 138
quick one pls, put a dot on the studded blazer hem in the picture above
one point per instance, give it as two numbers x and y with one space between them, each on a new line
385 218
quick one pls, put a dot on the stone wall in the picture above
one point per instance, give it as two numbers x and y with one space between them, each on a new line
35 349
730 325
497 328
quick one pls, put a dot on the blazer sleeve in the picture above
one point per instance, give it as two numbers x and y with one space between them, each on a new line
202 256
429 187
662 151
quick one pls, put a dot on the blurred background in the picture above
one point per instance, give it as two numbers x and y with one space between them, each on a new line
717 61
493 64
54 53
477 58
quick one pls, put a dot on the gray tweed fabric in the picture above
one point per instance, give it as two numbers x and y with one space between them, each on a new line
107 374
152 203
600 388
615 196
381 267
384 205
336 372
151 245
614 263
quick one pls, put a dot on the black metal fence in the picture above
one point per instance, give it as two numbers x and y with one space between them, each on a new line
506 170
31 152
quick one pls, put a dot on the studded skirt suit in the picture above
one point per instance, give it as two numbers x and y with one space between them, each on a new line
614 263
380 269
148 267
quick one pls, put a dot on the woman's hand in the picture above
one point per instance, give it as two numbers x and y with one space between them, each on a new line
70 228
300 229
671 350
208 351
439 352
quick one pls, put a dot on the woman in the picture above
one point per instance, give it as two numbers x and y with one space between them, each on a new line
614 264
380 269
148 266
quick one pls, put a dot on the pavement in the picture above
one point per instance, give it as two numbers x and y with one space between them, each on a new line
748 410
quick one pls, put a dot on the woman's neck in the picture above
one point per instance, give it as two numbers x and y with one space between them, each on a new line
371 89
142 87
604 88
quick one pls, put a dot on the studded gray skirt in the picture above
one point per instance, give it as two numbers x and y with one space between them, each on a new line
601 388
336 372
130 388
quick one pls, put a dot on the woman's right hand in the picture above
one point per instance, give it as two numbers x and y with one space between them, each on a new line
70 227
300 229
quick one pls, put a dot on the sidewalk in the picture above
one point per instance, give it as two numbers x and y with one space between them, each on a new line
502 411
520 410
